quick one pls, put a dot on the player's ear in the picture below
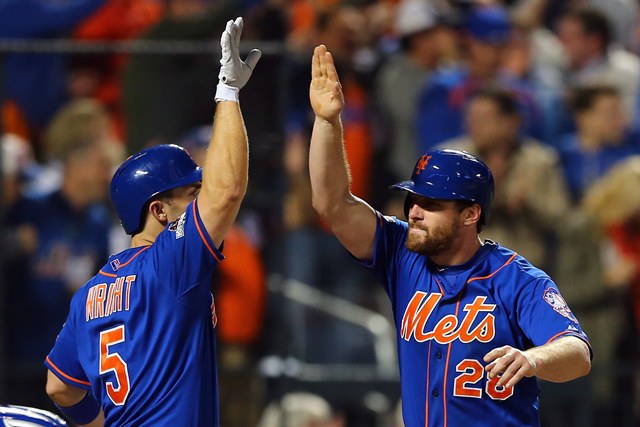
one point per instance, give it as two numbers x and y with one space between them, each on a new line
158 211
471 214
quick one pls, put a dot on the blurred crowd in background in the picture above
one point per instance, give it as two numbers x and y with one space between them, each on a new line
546 92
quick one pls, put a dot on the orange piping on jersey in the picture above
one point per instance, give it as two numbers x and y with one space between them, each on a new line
195 217
446 368
122 265
426 401
108 274
65 375
571 333
492 274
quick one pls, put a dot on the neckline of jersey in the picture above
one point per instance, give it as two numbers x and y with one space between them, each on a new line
482 253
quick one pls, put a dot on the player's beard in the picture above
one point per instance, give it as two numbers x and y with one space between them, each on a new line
434 240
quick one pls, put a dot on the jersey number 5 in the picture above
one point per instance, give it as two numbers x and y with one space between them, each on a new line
471 372
114 363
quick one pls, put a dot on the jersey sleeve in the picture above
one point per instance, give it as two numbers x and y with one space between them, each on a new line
63 358
186 256
389 240
544 315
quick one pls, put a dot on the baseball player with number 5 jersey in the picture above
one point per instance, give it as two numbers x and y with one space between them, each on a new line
476 322
138 346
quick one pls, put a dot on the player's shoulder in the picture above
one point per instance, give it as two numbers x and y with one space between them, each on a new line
392 222
519 269
116 263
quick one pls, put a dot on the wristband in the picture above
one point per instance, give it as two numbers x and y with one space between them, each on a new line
82 412
227 93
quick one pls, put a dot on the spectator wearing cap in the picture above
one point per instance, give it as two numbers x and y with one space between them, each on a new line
485 36
419 31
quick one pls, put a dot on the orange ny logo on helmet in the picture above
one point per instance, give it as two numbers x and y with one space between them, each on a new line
422 164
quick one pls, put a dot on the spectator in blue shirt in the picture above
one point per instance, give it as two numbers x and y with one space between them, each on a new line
443 100
602 137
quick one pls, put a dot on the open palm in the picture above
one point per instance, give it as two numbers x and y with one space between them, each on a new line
325 92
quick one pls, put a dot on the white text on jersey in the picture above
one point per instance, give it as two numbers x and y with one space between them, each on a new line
449 328
103 300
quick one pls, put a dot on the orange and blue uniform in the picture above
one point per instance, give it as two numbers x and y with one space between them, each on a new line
447 320
141 333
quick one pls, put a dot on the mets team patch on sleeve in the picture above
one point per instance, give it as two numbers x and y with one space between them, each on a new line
555 300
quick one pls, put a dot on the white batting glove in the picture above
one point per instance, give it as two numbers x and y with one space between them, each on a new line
234 73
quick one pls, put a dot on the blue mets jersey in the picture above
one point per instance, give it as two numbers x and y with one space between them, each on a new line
141 333
447 320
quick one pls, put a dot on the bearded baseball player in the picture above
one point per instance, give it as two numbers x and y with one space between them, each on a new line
476 322
138 346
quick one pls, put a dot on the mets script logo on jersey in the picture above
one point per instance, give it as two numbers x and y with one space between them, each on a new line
178 226
555 300
477 323
422 164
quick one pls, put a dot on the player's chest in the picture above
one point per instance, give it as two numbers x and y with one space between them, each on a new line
445 313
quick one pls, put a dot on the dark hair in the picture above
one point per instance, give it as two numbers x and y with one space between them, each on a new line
593 22
502 98
584 97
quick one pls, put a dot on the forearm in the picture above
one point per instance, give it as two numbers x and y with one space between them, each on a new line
328 167
226 165
75 403
561 360
225 172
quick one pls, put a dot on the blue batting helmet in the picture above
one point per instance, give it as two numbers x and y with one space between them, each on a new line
451 175
23 416
147 174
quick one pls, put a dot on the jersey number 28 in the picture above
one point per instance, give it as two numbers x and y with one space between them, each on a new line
471 371
112 362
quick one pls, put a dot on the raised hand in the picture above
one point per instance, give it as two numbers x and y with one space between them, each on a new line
325 91
233 71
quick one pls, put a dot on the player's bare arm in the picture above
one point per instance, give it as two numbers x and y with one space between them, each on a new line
351 219
225 173
65 395
561 360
